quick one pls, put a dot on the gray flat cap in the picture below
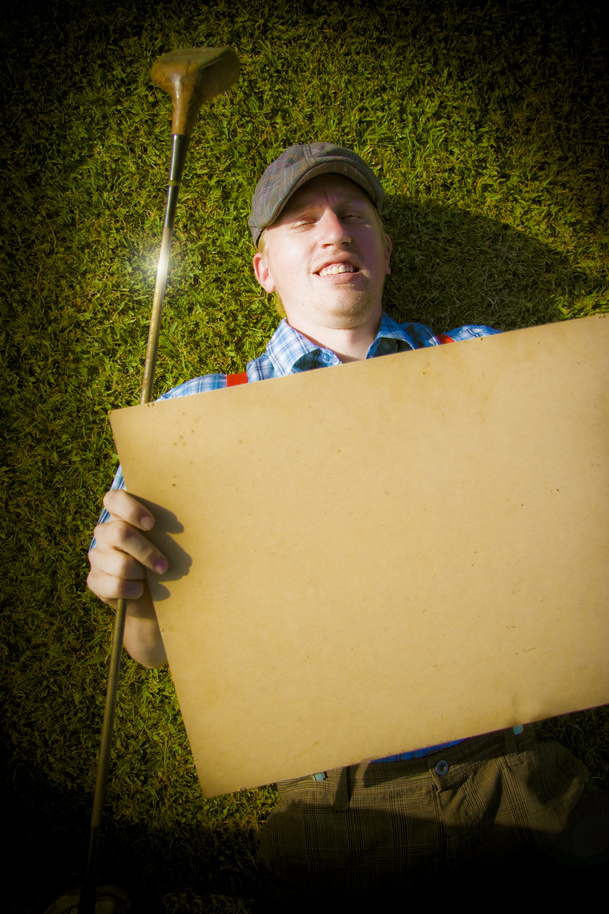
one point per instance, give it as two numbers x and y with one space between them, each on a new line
299 164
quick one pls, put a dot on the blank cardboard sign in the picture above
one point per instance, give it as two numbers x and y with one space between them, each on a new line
384 555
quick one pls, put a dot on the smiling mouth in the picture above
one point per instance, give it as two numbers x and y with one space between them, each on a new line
334 268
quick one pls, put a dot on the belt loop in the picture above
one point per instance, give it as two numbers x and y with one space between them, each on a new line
341 797
334 787
511 741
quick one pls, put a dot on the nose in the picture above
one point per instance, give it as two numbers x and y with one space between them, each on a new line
332 228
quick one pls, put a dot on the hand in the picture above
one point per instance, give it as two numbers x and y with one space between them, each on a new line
122 552
118 571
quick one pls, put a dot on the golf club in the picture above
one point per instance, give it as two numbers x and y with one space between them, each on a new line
190 76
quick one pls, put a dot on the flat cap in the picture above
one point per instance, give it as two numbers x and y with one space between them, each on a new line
299 164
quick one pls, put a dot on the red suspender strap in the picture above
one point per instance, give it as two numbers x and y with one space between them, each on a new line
233 379
444 338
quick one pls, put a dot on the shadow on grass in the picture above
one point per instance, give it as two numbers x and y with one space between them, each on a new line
191 867
184 871
450 267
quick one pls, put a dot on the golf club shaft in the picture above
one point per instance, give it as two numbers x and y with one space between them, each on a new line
87 902
88 892
191 77
179 147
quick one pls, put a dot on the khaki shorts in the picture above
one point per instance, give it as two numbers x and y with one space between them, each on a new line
387 828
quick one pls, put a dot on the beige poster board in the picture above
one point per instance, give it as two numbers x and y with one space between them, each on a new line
384 555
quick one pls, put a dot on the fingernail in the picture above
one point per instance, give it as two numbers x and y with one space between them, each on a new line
160 566
147 522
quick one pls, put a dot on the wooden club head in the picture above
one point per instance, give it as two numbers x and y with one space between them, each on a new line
192 76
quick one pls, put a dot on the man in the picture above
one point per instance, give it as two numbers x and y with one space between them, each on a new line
391 825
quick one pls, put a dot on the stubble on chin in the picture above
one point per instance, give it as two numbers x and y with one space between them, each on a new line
348 312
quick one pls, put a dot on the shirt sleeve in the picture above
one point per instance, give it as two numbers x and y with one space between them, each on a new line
470 331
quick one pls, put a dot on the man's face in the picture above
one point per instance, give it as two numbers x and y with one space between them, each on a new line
327 256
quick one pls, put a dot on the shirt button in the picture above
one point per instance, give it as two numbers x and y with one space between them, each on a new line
442 767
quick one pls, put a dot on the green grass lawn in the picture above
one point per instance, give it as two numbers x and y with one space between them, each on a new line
487 123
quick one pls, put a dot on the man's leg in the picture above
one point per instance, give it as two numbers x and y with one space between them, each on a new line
403 827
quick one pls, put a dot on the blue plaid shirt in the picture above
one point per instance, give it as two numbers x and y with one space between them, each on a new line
289 352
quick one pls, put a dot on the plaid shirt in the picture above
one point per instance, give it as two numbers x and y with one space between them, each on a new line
289 352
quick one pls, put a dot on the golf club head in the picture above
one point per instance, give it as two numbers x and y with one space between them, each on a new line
192 76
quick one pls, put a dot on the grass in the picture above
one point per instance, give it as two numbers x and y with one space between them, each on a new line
487 123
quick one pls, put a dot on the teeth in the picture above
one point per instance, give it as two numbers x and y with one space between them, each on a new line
337 268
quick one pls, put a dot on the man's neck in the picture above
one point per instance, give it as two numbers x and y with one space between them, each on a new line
349 345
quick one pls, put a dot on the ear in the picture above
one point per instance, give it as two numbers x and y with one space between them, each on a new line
388 250
263 273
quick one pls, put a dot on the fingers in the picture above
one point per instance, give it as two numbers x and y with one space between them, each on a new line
111 589
123 506
123 552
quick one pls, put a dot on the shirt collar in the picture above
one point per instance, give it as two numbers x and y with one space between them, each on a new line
290 352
